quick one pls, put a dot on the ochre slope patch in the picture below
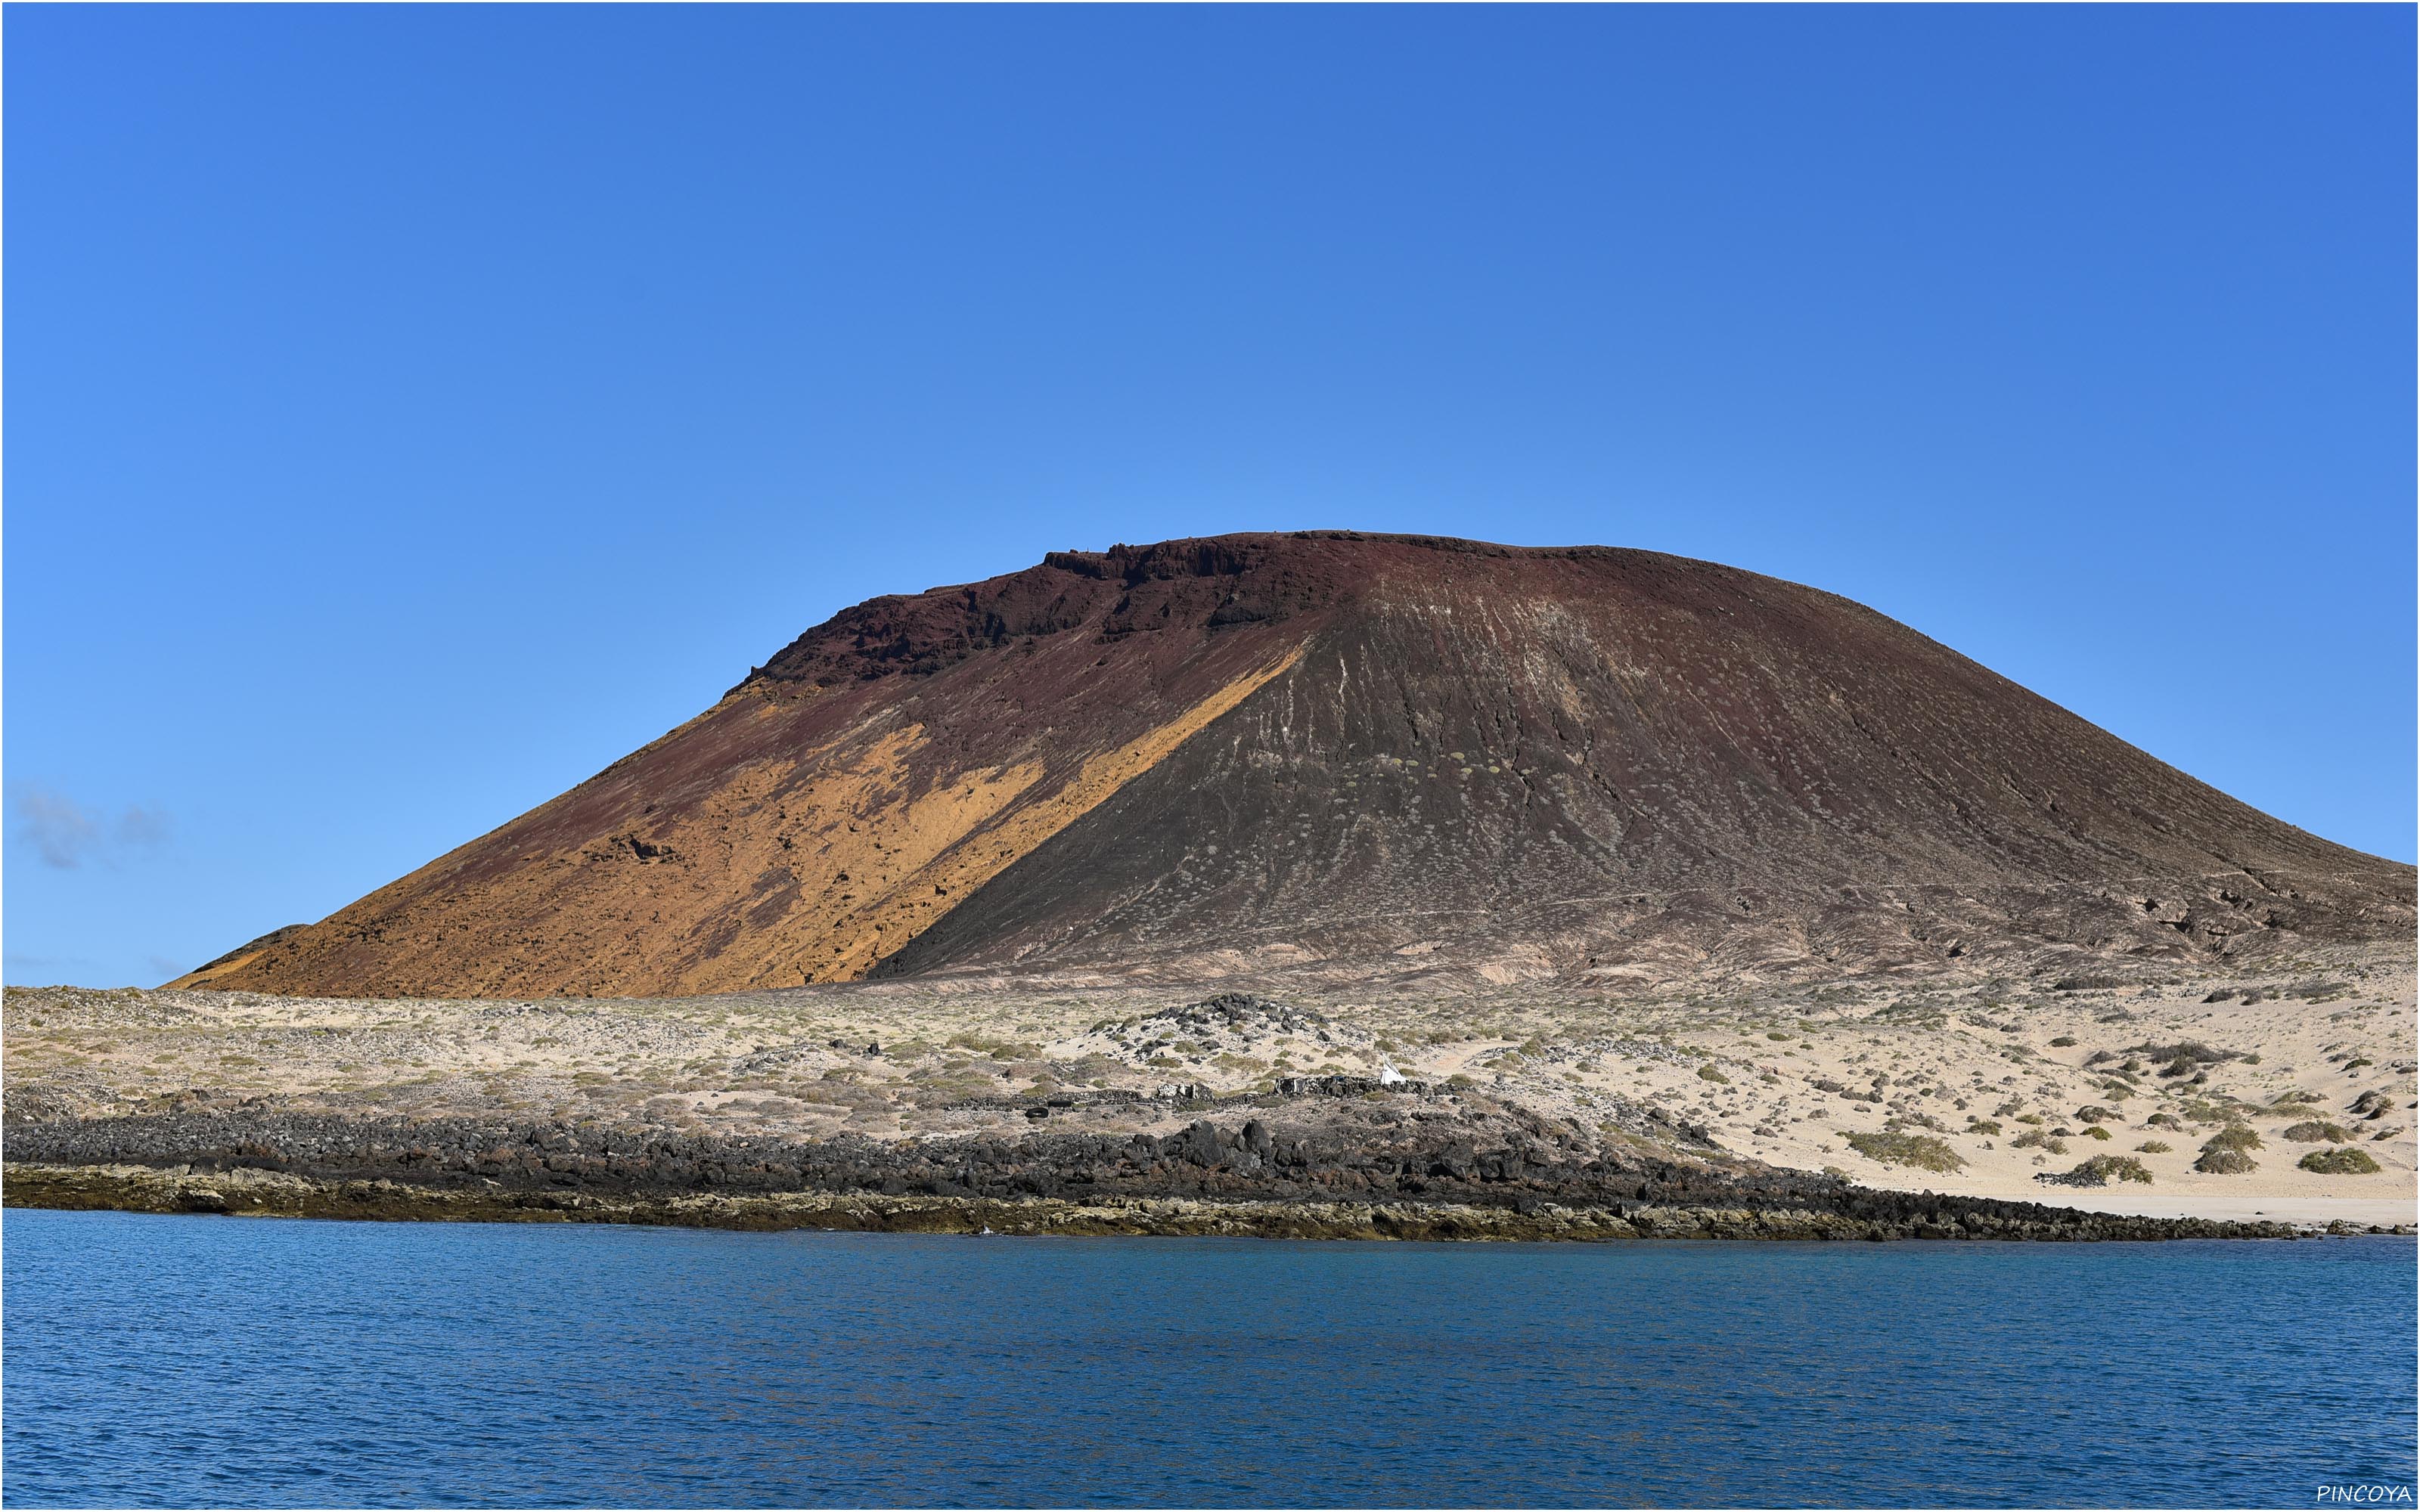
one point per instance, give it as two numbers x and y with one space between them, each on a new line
804 828
847 948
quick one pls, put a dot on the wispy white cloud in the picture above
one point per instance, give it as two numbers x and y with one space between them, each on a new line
65 834
61 830
145 827
17 961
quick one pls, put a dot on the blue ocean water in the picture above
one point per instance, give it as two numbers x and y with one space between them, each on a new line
250 1362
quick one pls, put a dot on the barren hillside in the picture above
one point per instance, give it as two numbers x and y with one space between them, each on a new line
1362 753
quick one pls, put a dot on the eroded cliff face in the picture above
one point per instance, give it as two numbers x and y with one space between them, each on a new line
1218 755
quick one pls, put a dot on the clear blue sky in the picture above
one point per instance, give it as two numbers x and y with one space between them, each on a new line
410 411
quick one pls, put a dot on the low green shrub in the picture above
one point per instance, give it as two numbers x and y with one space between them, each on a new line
2316 1131
2096 1132
1986 1127
2189 1053
2234 1137
1711 1074
2102 1170
1920 1151
2224 1161
2154 1147
2339 1163
2062 1041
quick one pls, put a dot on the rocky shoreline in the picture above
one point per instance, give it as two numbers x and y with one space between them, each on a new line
269 1193
1504 1179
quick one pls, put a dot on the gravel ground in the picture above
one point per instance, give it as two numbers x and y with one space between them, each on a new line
1972 1087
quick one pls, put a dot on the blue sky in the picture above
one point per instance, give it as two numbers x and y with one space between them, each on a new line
410 411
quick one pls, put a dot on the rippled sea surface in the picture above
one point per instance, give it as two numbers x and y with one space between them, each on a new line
251 1362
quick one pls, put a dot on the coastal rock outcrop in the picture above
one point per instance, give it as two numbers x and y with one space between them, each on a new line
1221 1177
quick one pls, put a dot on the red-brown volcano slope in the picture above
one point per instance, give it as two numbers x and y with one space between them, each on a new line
1238 753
